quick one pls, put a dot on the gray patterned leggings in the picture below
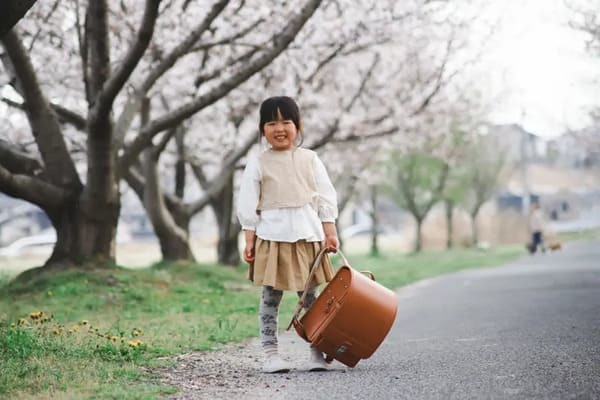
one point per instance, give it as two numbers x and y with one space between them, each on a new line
268 312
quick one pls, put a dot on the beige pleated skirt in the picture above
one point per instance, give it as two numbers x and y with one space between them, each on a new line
286 266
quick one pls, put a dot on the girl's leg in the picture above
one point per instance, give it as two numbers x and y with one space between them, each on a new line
267 318
311 296
316 362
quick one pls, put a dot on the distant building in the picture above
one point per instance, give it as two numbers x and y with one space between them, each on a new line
521 145
570 151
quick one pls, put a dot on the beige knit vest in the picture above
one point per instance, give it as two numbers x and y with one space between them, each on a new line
287 179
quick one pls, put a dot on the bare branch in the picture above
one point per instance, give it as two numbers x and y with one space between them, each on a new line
64 114
43 22
229 39
17 161
43 121
184 47
218 183
280 43
355 137
438 84
217 72
69 116
11 11
115 83
31 189
133 101
97 45
335 126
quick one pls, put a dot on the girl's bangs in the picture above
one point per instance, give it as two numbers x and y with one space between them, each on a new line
286 111
285 105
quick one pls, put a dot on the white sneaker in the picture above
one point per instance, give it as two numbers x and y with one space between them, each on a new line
274 364
317 361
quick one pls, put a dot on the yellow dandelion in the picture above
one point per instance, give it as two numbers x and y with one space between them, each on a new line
73 329
22 321
84 322
36 314
115 338
57 331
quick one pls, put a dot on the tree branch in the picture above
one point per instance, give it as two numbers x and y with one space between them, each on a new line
17 161
355 137
11 11
42 119
184 47
438 83
280 43
228 39
31 189
133 101
335 126
218 183
115 83
64 114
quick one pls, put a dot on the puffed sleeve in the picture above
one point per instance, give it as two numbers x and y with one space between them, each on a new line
248 196
327 204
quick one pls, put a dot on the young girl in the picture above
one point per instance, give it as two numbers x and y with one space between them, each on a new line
287 207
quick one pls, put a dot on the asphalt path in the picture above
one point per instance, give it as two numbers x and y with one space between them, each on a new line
527 330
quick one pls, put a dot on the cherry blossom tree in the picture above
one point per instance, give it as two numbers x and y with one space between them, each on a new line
113 84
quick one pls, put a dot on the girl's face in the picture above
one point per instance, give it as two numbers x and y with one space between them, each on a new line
280 133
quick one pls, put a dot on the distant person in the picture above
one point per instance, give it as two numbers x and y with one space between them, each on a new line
287 208
536 228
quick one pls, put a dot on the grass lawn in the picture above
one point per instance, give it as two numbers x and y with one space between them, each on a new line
91 335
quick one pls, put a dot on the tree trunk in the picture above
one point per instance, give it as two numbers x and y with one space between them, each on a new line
11 11
418 238
82 241
449 224
174 246
228 252
171 227
374 223
475 233
227 249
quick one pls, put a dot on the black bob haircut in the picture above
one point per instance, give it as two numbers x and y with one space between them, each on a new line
283 104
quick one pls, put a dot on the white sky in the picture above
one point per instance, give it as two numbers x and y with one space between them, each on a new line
540 69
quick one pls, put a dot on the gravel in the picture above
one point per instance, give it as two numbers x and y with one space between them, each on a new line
234 371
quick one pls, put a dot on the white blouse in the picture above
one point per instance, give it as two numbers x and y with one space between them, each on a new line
286 224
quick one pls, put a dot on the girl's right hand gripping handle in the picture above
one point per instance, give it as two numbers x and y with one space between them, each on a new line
313 271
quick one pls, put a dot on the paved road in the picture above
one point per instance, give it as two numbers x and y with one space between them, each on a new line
528 330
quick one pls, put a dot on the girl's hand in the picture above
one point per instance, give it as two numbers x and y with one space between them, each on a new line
249 249
249 254
331 239
332 243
